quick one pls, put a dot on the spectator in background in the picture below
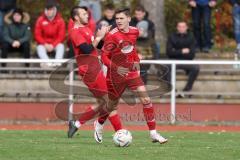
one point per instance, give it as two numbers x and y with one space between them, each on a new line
5 7
236 19
50 33
181 46
201 16
16 34
108 18
146 43
94 6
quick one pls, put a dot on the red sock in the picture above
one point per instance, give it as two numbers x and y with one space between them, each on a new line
87 115
102 119
148 111
103 116
116 122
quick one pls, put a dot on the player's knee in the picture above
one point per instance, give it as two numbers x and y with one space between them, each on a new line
110 108
101 101
115 107
112 105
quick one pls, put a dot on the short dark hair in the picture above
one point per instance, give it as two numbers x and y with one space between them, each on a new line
140 8
18 10
51 3
126 11
181 21
109 6
74 11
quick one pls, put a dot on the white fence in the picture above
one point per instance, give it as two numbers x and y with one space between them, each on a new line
173 64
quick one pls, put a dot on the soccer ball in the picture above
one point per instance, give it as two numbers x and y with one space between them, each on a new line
122 138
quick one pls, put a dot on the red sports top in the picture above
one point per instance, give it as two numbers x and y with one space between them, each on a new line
120 50
80 35
88 65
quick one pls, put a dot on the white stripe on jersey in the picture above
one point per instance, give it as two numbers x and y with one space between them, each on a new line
115 30
131 27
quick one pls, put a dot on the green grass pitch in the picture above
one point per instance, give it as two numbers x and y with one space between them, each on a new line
53 145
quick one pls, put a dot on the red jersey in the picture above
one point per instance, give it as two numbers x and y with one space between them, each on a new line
120 50
80 35
91 24
88 65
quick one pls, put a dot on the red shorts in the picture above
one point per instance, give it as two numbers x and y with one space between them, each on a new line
116 89
99 86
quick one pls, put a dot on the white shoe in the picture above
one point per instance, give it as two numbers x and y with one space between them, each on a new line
46 65
158 138
56 64
98 131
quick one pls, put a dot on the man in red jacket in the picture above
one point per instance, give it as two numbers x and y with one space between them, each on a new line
50 33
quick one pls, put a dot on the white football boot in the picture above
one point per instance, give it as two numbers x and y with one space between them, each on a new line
156 137
98 131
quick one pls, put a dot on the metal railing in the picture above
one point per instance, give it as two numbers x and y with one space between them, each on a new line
173 64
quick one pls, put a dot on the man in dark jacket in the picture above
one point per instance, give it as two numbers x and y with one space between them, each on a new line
181 46
146 44
108 18
146 28
16 36
201 16
5 7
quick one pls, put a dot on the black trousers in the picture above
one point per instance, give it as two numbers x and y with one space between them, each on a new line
191 70
24 50
143 72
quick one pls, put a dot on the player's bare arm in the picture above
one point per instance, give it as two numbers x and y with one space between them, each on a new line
136 66
100 35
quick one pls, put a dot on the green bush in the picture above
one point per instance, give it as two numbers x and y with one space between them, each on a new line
174 11
222 25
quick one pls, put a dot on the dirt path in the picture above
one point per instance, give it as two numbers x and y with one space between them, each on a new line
129 127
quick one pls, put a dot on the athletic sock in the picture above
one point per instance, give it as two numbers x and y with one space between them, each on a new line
116 122
87 115
102 119
77 124
148 111
153 132
103 116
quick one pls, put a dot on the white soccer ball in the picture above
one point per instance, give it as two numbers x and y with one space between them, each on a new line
122 138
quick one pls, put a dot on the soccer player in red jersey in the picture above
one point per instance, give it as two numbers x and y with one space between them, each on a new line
85 44
120 56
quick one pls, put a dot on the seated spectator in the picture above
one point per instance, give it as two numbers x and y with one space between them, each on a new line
201 16
147 31
146 43
94 6
16 34
5 7
50 33
236 19
181 46
108 18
